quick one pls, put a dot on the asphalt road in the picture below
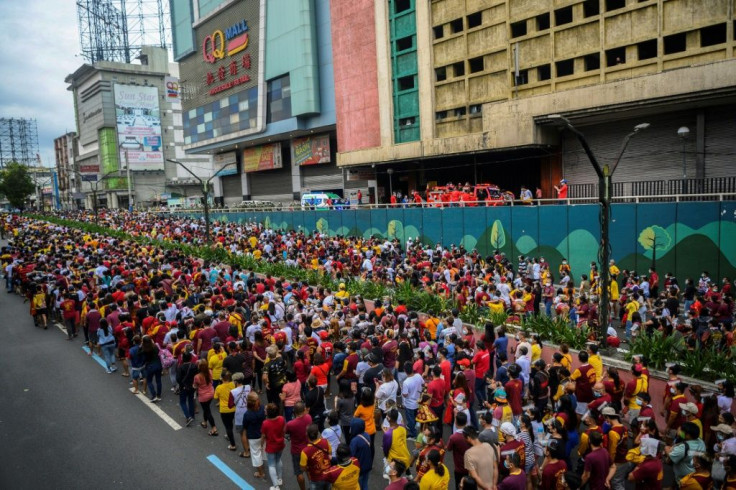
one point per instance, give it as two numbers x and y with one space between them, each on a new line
66 423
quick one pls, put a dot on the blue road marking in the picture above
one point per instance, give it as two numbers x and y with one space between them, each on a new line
97 358
234 477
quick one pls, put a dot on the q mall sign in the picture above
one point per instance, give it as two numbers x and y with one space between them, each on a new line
234 40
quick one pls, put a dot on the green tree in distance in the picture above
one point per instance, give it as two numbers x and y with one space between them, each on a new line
16 184
655 238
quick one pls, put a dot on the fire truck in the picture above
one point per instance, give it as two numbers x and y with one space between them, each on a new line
468 196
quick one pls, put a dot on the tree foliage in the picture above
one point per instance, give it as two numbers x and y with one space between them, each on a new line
16 184
655 238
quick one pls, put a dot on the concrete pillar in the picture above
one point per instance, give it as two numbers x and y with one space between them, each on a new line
296 176
245 186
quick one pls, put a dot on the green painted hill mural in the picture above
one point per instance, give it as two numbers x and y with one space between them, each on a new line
682 238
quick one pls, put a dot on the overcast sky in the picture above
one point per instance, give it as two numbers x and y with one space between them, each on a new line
39 40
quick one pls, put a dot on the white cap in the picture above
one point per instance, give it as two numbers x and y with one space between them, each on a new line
508 429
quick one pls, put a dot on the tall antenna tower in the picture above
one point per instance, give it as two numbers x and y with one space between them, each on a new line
115 30
18 141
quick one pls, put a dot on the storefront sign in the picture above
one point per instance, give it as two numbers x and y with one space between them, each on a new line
89 169
311 150
266 157
89 177
172 88
225 164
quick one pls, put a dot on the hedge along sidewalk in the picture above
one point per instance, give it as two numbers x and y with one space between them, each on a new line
247 263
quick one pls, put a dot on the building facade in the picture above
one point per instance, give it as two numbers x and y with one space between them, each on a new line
129 118
460 90
257 88
65 154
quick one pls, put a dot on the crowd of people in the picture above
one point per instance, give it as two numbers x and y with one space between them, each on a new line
351 386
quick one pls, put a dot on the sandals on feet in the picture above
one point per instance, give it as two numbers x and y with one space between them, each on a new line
232 448
213 433
244 454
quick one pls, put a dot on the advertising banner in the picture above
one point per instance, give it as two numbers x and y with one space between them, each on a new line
172 88
89 169
266 157
139 127
225 164
311 150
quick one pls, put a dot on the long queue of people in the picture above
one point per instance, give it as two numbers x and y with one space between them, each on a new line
335 371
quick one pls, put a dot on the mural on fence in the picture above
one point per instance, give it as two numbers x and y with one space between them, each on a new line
682 238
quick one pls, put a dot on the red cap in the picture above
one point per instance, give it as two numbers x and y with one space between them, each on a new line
464 362
324 334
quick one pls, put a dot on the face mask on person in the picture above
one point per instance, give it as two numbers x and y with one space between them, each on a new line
720 436
673 391
387 470
597 394
506 464
639 402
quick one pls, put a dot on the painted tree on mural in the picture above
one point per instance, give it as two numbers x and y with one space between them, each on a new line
498 236
655 238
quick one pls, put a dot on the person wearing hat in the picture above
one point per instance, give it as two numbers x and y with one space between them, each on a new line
649 472
723 449
480 460
511 444
690 411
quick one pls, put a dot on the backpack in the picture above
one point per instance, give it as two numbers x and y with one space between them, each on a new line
166 358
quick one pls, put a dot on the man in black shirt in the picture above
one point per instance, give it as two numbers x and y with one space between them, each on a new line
234 360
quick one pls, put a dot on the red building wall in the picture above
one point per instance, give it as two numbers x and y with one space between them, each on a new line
355 70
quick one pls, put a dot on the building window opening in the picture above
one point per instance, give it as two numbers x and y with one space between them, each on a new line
458 68
616 56
476 64
406 83
407 121
405 43
591 8
712 35
592 61
456 25
440 115
522 78
440 73
565 67
475 110
439 32
676 43
615 4
543 22
563 16
401 5
544 72
460 111
647 49
518 29
474 20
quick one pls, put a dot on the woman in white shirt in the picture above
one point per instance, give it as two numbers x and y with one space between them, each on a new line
387 390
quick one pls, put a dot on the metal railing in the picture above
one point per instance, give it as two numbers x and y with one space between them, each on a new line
661 190
723 196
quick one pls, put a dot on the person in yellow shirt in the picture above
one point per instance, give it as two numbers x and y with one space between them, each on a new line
614 271
536 348
632 306
345 474
594 359
227 414
394 440
438 476
342 295
214 360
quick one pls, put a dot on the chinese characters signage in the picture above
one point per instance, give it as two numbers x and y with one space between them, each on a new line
227 49
266 157
311 150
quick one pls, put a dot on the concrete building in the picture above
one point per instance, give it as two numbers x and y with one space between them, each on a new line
460 90
257 85
65 153
130 115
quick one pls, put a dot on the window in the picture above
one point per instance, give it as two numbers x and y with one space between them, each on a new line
458 68
401 5
440 115
591 8
439 32
518 29
563 16
615 4
592 61
544 73
456 25
460 111
475 110
647 49
476 64
278 100
440 73
676 43
543 22
712 35
406 83
407 121
522 78
474 20
615 56
405 43
565 67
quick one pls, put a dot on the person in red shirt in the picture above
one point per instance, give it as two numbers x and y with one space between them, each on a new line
584 377
315 459
297 432
436 389
69 315
446 367
562 190
273 436
481 364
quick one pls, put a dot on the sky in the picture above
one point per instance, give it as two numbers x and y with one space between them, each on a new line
40 43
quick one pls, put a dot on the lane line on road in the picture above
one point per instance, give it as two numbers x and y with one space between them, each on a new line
97 358
157 410
228 472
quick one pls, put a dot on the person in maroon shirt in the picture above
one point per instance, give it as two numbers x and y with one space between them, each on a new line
296 429
554 466
390 351
457 444
598 469
351 362
222 327
204 338
514 388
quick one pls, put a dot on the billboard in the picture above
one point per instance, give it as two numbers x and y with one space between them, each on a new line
172 89
139 127
266 157
311 150
226 164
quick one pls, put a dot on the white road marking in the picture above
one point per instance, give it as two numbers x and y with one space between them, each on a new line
155 409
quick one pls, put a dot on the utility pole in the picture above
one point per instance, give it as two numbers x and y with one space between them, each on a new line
205 193
130 192
605 193
94 191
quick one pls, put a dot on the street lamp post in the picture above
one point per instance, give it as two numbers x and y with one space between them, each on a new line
390 173
94 190
205 193
683 133
605 192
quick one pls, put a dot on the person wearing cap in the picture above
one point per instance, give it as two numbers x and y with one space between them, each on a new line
638 385
648 474
723 449
690 411
511 443
481 460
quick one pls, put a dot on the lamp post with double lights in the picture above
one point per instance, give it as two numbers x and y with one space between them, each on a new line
205 192
94 189
605 192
